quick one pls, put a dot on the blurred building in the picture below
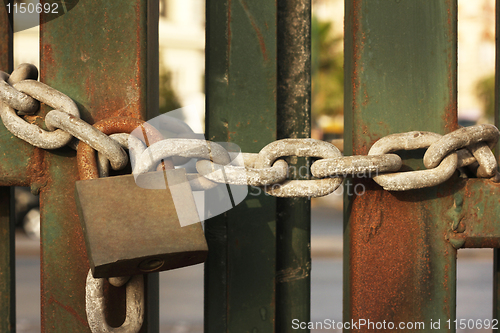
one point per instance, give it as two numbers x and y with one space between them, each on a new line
476 53
476 46
182 43
182 46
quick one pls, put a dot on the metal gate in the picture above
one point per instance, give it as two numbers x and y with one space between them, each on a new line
400 75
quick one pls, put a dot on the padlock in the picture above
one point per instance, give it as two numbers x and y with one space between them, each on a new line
132 230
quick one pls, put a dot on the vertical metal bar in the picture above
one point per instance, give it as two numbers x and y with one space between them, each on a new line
7 263
153 90
241 108
400 75
97 54
293 223
7 226
496 252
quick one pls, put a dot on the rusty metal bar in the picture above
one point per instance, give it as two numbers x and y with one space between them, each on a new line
97 54
400 75
293 221
17 157
7 221
241 108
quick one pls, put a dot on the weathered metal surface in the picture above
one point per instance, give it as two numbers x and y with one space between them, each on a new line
460 138
32 133
293 222
474 214
487 161
403 181
465 158
128 225
180 147
299 148
127 141
105 71
22 72
17 100
18 158
95 306
7 249
87 165
400 75
363 166
118 281
241 108
90 135
239 175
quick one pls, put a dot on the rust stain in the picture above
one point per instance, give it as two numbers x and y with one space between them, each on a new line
37 168
358 40
450 117
69 309
87 165
389 240
255 27
137 107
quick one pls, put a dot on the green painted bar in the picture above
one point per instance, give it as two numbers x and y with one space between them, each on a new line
97 54
293 221
16 155
241 108
400 75
7 227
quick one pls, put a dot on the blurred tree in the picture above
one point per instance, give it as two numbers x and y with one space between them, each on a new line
485 91
327 70
168 98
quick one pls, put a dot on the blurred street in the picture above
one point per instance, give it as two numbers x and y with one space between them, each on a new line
181 308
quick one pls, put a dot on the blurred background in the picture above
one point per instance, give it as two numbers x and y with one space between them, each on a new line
182 43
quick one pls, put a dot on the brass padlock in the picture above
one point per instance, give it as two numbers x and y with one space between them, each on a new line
131 230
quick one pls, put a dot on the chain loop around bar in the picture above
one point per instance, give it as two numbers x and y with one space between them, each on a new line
469 146
14 98
403 181
32 133
461 138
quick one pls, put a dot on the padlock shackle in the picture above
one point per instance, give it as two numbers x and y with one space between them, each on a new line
86 157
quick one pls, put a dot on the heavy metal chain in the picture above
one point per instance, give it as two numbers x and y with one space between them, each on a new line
21 94
470 147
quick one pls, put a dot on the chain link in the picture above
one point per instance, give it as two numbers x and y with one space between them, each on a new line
14 98
95 305
466 147
30 132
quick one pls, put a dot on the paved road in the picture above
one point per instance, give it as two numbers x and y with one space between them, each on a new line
182 290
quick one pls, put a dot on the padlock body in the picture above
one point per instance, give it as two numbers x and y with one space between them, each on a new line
132 230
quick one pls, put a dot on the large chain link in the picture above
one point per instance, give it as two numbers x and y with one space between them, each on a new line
466 147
